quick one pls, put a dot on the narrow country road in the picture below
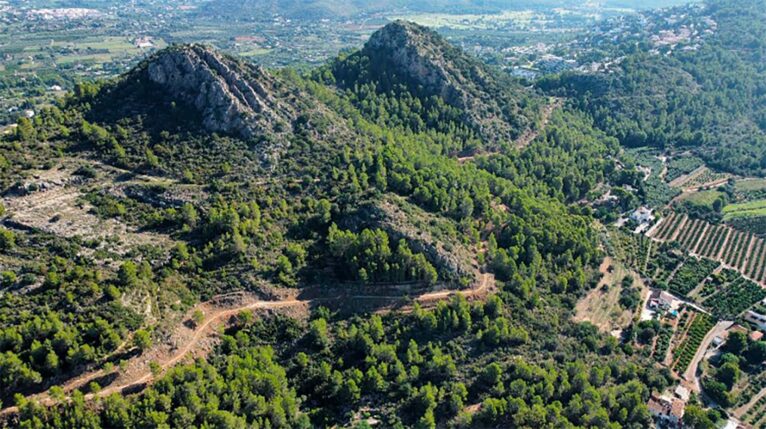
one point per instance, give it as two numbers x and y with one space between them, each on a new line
691 372
214 317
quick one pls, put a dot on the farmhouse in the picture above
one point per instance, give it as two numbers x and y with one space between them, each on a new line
642 215
668 412
660 300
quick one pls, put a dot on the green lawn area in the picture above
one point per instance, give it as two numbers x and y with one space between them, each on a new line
749 209
702 198
750 185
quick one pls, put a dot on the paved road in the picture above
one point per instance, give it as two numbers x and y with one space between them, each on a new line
691 372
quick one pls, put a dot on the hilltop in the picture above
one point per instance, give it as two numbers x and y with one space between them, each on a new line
231 96
453 88
195 189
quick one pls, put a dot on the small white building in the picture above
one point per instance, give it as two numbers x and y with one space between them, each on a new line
682 393
756 318
642 215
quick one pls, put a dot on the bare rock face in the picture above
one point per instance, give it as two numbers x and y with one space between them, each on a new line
232 97
417 54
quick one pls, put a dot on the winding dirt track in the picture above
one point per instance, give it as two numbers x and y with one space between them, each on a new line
215 316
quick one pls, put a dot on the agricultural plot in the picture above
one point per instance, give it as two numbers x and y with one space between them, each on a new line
749 209
662 343
681 177
747 190
754 224
756 259
634 250
729 254
601 306
750 216
661 264
707 178
682 169
743 251
761 274
691 274
669 226
714 284
684 353
740 250
754 384
711 246
693 233
756 415
733 298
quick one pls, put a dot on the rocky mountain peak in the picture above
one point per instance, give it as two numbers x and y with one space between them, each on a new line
431 66
232 97
418 53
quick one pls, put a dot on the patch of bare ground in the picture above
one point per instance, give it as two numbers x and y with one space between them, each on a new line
601 306
50 201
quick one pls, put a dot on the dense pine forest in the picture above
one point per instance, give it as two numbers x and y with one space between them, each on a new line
399 238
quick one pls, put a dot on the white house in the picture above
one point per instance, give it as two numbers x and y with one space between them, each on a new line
642 215
756 318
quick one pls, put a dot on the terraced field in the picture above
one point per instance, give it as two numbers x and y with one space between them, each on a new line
699 178
741 251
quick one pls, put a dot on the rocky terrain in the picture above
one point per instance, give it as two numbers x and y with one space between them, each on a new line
232 97
495 106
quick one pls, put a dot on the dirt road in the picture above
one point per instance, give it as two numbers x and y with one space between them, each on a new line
166 357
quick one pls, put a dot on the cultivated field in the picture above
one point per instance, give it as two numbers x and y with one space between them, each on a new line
742 251
693 331
700 178
749 209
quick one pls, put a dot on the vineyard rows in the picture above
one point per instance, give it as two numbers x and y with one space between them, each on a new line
743 251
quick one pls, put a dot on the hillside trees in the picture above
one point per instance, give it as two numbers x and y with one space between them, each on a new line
371 257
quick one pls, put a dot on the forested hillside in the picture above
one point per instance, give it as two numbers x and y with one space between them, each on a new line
336 199
409 76
709 97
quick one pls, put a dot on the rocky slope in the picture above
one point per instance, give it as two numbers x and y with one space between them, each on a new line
405 53
232 97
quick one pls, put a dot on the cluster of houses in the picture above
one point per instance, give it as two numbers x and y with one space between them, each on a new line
668 409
